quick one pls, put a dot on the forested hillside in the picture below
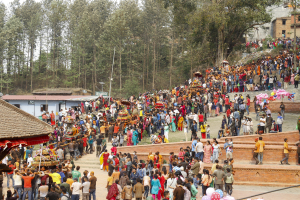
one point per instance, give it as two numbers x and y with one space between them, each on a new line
157 43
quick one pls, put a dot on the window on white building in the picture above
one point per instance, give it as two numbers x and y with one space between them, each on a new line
17 105
44 107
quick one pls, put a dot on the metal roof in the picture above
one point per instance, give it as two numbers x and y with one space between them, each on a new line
48 98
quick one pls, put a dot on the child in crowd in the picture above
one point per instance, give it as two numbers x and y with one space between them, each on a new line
166 195
196 181
208 132
228 182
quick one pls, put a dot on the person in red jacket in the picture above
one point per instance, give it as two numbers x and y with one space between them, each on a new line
201 119
227 104
228 112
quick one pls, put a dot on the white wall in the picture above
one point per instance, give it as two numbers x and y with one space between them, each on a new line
35 110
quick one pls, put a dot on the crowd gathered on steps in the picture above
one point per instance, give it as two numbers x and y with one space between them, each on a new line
185 173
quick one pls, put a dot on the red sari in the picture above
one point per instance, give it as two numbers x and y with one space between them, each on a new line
52 116
113 192
82 108
105 158
162 184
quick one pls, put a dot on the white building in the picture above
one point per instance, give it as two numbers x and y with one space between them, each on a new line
37 104
266 30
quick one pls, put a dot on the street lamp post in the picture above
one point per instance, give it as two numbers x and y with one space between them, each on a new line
112 70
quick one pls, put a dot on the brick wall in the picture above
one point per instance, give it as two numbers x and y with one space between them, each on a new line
290 107
242 154
293 136
263 175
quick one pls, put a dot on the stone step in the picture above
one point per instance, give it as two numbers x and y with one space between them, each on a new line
165 148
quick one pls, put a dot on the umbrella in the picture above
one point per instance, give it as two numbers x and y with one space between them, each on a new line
225 61
261 96
198 74
280 93
124 102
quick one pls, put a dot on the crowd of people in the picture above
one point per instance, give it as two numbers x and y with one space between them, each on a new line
126 122
130 178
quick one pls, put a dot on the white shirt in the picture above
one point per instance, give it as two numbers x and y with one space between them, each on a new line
43 190
29 161
86 187
262 123
199 147
146 180
216 147
76 187
17 179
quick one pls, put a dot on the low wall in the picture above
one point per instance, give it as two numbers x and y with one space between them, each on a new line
166 148
290 107
242 154
263 175
292 136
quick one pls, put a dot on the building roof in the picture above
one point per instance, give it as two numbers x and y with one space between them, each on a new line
16 123
41 97
62 91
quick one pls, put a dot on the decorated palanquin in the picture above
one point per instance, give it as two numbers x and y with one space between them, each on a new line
47 159
72 131
123 115
160 105
196 84
195 87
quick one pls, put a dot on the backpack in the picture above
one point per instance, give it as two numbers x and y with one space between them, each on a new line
187 194
229 179
68 197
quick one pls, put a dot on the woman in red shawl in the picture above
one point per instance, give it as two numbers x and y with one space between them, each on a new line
162 181
113 192
183 110
52 116
82 108
105 158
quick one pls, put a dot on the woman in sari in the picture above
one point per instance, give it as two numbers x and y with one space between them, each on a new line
105 158
207 152
173 124
150 157
113 192
162 181
82 107
181 153
180 123
52 116
129 137
183 110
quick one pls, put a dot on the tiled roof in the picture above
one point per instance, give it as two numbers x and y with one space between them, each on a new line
16 123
